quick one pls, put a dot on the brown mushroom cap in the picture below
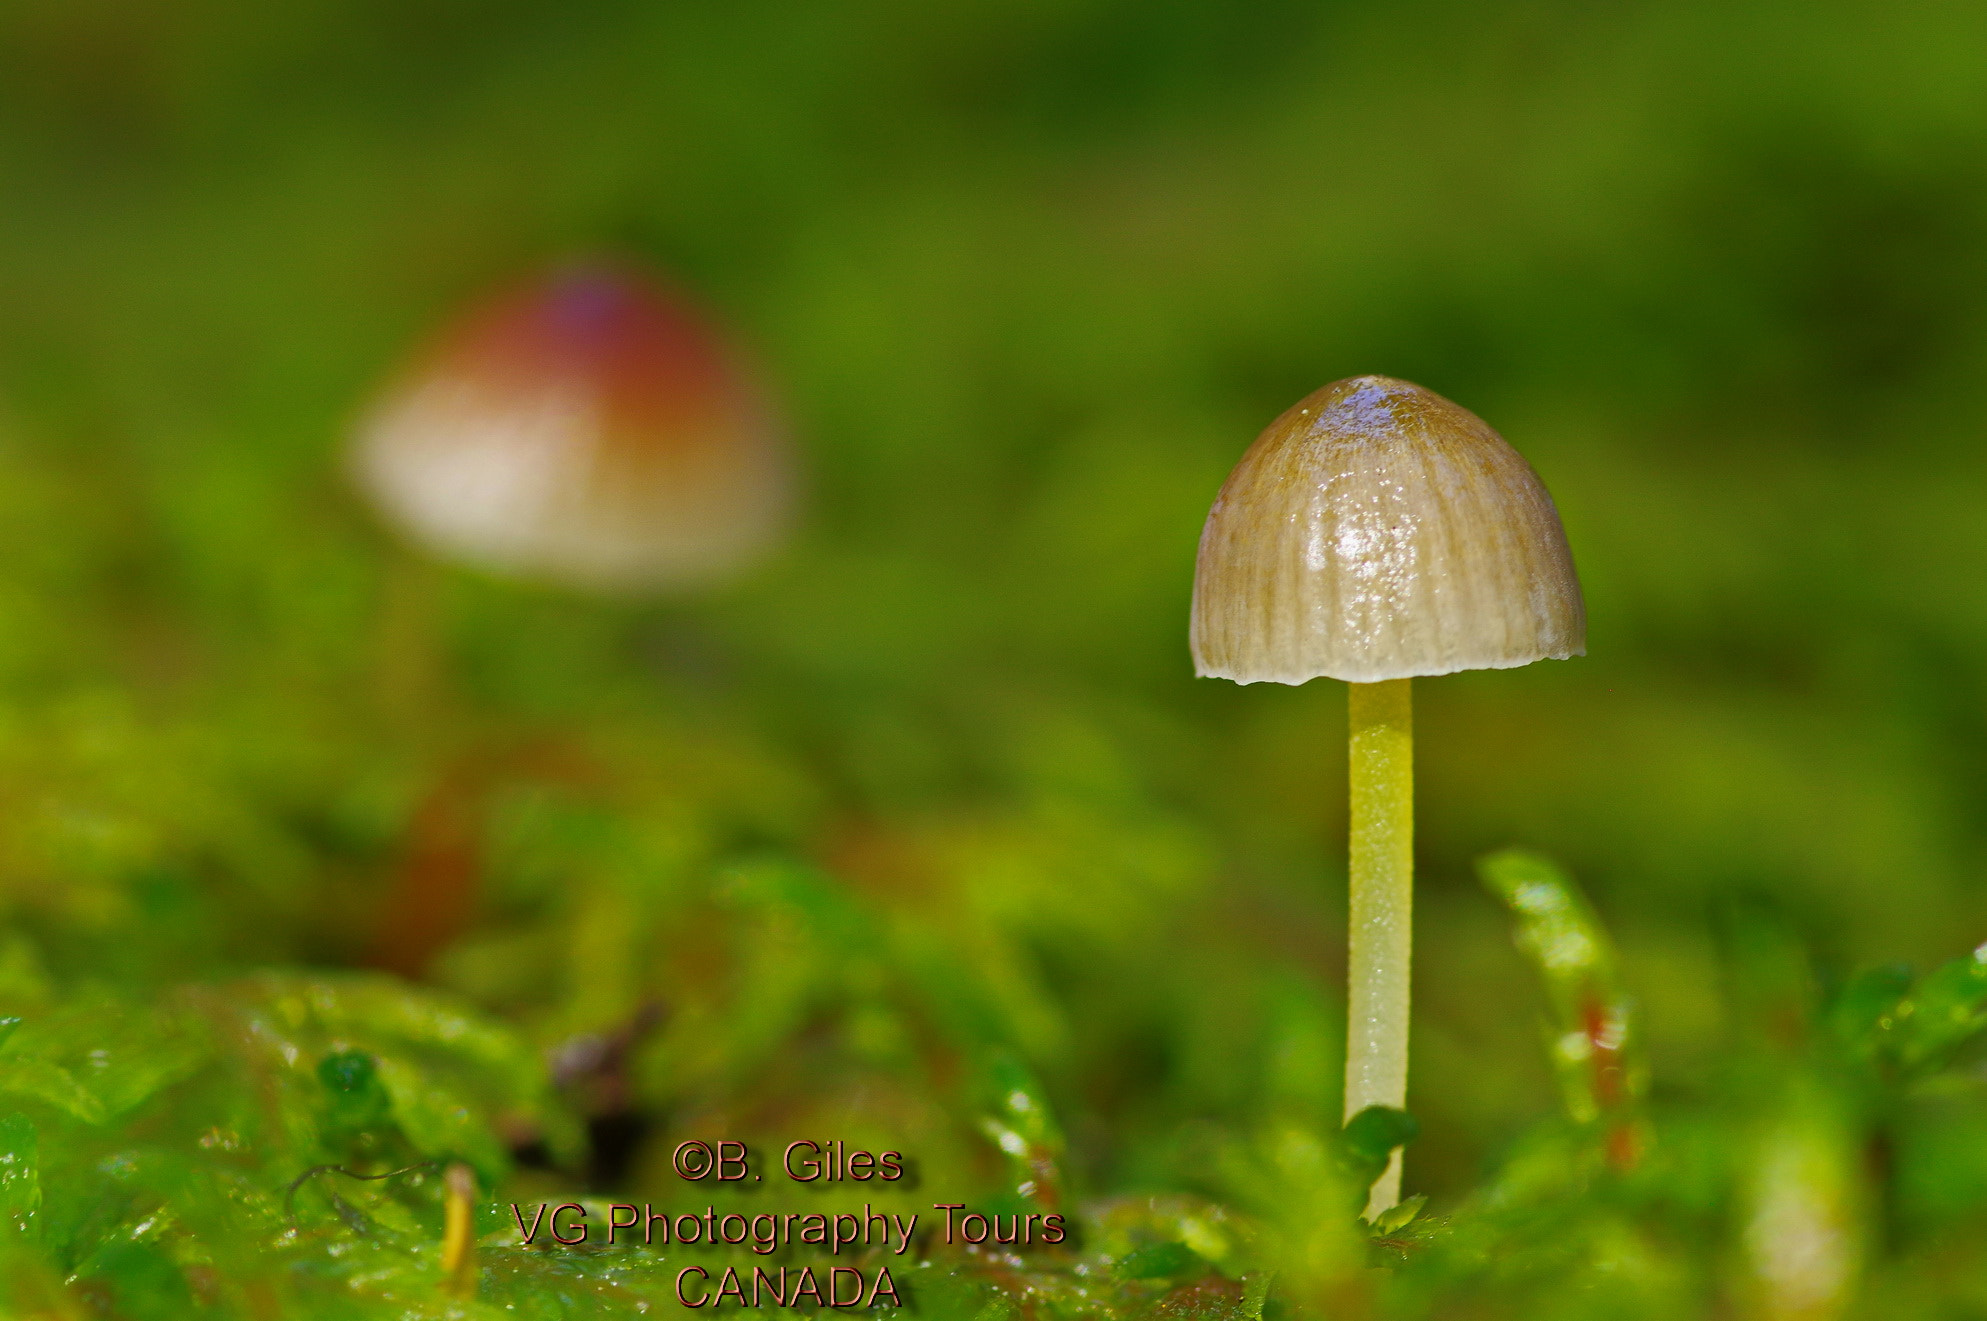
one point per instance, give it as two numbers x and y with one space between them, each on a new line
1378 531
587 428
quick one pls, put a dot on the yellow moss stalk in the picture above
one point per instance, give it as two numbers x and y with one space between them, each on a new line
458 1236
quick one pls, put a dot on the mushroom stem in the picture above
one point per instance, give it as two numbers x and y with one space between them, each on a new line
1381 728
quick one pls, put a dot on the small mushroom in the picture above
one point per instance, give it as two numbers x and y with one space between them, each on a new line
1374 532
588 429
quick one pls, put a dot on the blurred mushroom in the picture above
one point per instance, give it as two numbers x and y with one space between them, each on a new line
588 429
1374 532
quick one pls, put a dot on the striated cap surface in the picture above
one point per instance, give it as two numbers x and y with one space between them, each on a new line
587 428
1378 531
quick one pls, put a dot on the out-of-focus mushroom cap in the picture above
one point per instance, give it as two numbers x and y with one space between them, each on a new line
1378 531
587 428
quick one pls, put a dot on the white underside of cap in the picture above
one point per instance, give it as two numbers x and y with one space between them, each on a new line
521 483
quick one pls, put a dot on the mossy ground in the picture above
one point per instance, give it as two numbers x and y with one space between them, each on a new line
933 790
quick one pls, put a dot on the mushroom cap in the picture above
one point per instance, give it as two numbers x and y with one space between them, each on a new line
1378 531
586 428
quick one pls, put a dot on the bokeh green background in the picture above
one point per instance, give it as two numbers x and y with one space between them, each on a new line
1028 276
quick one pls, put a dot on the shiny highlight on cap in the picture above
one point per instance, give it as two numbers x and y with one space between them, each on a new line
1378 531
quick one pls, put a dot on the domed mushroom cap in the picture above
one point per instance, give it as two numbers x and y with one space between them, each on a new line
587 428
1378 531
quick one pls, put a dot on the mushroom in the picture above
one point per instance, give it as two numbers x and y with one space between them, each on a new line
587 428
1375 532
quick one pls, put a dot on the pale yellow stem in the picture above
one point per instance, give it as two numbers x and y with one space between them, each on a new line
458 1239
1381 725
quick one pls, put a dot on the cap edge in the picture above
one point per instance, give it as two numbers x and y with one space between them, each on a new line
1294 678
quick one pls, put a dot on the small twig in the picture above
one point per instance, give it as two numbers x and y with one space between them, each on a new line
290 1191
